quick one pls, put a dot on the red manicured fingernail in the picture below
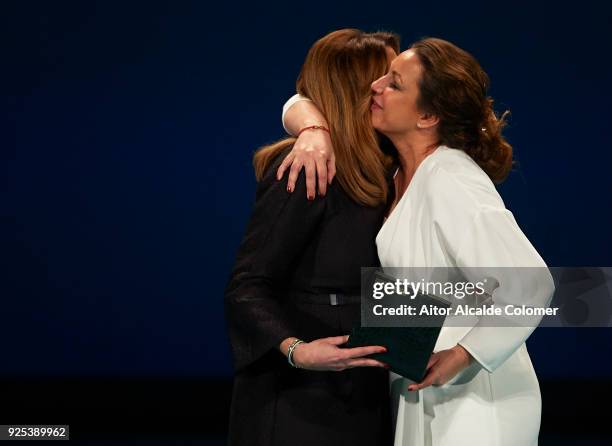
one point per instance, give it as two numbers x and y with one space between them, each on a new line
289 189
386 366
311 197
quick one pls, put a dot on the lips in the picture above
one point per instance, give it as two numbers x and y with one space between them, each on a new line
375 104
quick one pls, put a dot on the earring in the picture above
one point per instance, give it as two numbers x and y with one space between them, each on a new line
419 125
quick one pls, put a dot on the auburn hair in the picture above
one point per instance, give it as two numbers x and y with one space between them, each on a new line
453 86
336 76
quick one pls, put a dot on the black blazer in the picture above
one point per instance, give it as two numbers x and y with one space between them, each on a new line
296 247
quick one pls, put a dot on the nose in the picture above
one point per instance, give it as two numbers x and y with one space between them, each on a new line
377 85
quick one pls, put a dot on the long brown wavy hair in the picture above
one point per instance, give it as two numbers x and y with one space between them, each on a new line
453 86
336 76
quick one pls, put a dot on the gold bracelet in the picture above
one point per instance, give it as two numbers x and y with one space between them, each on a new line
314 127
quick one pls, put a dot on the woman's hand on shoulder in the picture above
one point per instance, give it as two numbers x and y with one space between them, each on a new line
325 354
312 150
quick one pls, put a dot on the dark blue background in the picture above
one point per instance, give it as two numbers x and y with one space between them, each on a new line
126 181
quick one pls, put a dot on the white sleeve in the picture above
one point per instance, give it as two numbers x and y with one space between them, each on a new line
292 100
494 241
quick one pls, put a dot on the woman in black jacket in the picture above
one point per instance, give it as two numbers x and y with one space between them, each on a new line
294 292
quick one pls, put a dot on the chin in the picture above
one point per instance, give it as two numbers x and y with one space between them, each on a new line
376 123
379 128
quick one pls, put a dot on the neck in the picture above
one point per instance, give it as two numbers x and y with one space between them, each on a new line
413 149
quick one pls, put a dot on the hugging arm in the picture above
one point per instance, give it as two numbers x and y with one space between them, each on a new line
313 149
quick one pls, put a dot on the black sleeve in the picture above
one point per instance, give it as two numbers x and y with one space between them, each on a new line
279 228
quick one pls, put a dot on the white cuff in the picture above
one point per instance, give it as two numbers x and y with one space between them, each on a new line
476 356
292 100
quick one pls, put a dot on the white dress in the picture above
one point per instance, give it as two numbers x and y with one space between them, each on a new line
452 216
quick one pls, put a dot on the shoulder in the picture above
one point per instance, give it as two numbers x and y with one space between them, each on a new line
270 188
269 175
454 180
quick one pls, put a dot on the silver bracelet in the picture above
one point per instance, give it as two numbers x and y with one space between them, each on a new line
294 344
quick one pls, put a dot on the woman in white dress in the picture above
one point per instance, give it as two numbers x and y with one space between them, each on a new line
480 387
